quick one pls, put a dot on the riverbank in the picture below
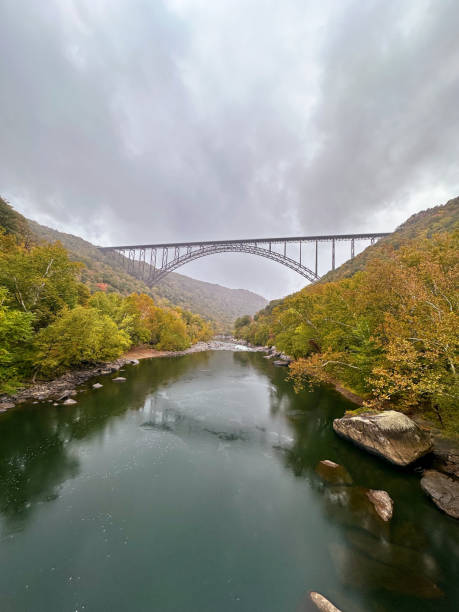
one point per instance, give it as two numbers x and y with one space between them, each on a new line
224 344
444 455
61 388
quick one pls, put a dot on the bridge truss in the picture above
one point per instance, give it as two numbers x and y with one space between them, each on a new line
152 262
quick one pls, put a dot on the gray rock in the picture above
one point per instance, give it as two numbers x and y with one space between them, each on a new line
322 603
389 434
135 362
69 402
443 490
382 502
97 386
280 362
119 379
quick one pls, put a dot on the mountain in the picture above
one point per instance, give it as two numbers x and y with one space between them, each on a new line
444 218
216 303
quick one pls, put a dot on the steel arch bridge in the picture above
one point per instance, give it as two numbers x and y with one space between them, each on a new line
152 262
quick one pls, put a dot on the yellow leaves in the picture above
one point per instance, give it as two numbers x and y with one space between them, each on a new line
392 328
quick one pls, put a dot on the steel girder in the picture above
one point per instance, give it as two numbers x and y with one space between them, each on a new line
234 248
142 260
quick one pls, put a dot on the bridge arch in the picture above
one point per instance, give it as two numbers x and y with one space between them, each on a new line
182 260
152 262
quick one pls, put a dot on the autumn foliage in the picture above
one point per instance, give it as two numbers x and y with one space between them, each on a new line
49 321
389 332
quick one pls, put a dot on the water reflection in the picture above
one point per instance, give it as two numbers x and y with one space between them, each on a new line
369 564
173 420
384 564
36 451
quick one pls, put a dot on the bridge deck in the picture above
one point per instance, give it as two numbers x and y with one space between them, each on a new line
326 238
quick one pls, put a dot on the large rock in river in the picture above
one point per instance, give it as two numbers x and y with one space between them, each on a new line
443 490
390 434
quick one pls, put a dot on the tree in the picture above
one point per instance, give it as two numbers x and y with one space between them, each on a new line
40 279
16 332
78 336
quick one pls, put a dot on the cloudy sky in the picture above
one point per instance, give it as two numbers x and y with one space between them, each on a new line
160 120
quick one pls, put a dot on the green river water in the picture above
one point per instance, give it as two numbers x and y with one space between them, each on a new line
193 487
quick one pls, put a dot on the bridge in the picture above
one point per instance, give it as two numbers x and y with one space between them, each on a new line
152 262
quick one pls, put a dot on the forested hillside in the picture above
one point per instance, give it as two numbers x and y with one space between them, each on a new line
384 325
218 304
51 322
215 303
426 223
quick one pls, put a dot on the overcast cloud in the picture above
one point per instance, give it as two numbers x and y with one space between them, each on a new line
159 120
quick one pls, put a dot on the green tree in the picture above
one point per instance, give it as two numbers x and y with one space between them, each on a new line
16 332
78 336
40 280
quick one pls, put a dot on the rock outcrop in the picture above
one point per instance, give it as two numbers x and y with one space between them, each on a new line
443 490
389 434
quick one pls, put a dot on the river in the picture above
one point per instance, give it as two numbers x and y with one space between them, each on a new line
193 487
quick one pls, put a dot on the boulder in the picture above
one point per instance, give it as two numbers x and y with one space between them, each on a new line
97 386
119 379
382 502
322 602
333 473
391 435
280 362
69 401
443 490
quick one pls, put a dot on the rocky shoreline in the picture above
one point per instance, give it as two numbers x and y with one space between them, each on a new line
62 388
